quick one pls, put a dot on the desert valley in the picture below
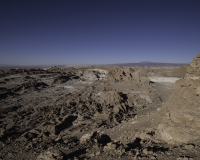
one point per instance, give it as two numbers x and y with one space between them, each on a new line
101 112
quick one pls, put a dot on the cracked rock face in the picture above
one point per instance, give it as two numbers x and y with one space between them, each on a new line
182 120
194 69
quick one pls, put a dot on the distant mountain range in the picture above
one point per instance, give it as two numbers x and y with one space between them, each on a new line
150 64
143 63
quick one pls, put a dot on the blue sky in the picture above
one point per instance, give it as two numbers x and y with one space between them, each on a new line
53 32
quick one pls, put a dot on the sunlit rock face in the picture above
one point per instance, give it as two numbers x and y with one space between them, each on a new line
194 69
181 123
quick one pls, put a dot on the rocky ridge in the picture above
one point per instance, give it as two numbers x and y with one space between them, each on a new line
182 120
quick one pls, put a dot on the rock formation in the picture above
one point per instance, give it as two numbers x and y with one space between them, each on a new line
99 112
181 122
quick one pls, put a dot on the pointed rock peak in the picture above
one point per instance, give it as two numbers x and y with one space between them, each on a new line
193 71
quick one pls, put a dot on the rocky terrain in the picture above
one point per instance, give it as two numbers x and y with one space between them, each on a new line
181 123
100 112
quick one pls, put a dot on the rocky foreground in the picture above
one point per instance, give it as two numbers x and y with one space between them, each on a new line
102 112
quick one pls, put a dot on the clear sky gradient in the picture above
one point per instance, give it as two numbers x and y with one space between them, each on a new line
53 32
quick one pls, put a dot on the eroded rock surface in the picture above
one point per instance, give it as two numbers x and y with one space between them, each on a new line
99 112
182 120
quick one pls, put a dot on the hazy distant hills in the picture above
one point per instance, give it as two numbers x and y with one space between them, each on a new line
150 64
141 64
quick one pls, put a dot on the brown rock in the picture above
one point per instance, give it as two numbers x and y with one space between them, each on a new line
86 137
144 151
182 121
51 154
189 146
198 91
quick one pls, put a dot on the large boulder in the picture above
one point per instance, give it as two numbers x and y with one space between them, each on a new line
181 123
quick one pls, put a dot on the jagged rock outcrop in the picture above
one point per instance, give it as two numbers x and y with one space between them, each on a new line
194 70
182 120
